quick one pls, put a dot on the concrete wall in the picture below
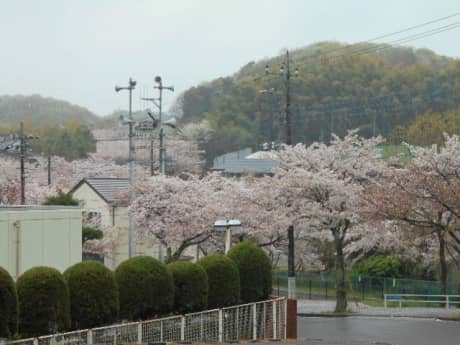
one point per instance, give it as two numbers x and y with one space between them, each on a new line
39 236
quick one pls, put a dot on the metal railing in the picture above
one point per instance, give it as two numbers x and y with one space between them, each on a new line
260 320
446 300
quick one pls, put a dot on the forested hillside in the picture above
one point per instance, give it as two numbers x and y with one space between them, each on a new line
379 89
37 111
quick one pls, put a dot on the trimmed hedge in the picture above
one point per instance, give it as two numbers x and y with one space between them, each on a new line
44 304
146 288
93 295
255 271
8 305
223 280
190 286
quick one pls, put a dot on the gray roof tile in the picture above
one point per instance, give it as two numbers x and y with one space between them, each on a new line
109 188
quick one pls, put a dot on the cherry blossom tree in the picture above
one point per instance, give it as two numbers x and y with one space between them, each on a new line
319 187
179 212
424 195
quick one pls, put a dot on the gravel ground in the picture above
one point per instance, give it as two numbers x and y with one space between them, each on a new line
309 307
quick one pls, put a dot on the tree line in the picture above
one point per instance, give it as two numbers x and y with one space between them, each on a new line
378 92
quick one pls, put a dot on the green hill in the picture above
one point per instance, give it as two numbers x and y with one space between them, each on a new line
368 86
37 111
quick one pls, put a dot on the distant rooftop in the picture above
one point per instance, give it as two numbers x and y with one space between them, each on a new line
241 166
108 188
38 207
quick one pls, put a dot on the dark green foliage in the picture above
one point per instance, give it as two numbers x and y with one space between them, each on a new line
8 305
64 199
146 288
190 286
93 295
44 304
223 280
88 233
74 141
378 266
255 271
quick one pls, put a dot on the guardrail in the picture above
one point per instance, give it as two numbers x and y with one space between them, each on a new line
253 321
447 300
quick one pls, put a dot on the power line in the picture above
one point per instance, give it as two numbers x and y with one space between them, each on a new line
397 32
406 39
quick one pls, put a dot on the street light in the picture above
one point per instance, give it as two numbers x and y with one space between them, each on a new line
158 102
227 225
129 121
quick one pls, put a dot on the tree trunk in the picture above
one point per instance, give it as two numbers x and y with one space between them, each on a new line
341 303
442 261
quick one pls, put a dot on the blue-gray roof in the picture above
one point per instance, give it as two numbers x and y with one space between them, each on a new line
241 166
108 188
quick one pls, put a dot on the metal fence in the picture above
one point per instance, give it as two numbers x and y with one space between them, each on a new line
322 285
261 320
410 299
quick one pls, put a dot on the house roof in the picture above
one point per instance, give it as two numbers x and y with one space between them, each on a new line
240 166
108 188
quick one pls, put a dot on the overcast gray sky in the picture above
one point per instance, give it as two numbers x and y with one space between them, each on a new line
77 50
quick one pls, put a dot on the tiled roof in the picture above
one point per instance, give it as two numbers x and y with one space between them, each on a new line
108 188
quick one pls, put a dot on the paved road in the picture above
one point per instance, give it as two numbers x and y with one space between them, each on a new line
358 330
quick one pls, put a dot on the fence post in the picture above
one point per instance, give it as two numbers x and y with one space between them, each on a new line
35 341
274 319
238 324
89 337
385 300
221 326
161 330
201 327
182 328
254 321
264 320
139 332
447 301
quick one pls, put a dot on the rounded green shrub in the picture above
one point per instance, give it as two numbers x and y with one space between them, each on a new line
255 271
379 266
146 288
93 295
190 286
8 305
43 302
223 280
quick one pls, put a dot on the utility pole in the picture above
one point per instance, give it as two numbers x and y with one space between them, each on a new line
291 243
285 71
158 102
22 157
131 156
288 101
49 169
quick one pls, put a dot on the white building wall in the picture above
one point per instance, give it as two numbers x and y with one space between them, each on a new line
117 217
91 201
39 236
